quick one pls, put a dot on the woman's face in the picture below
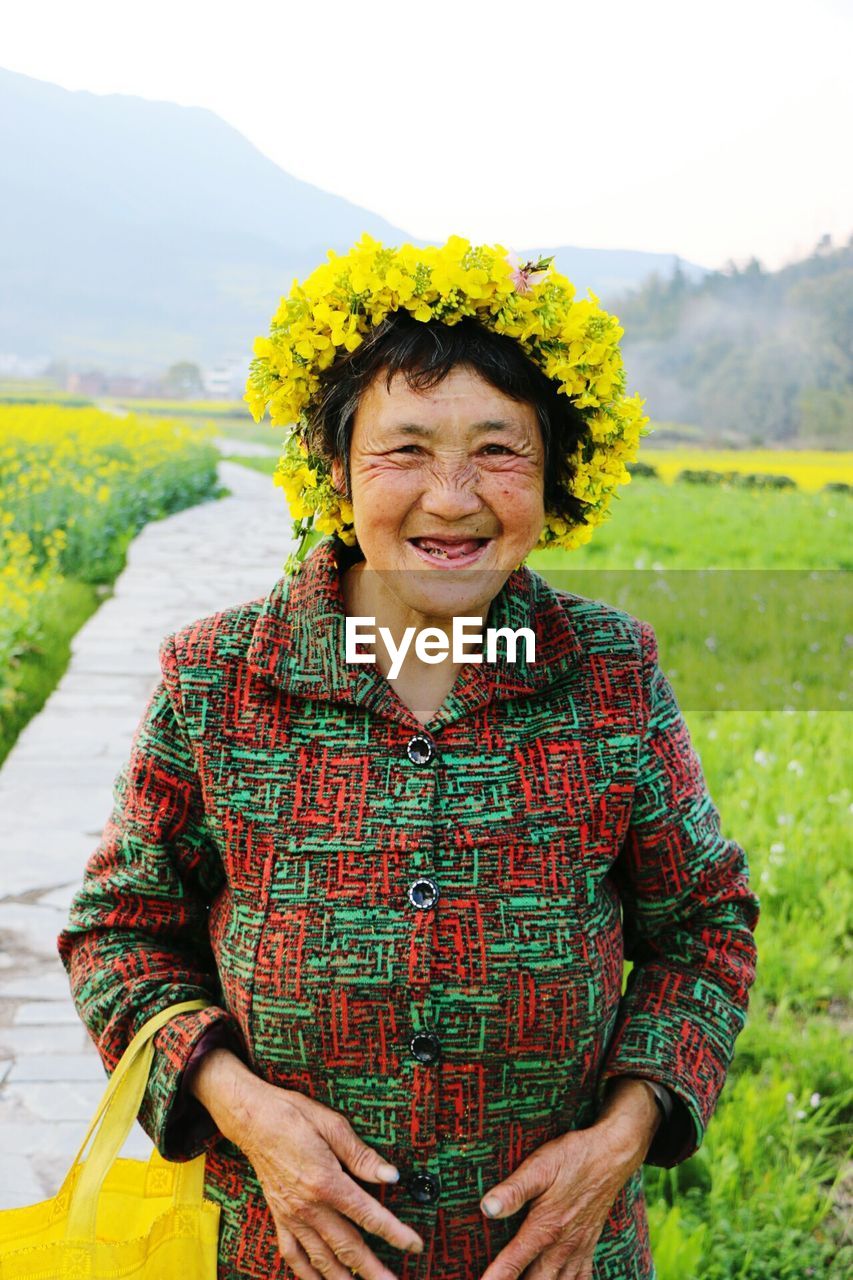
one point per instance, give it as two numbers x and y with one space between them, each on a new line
447 489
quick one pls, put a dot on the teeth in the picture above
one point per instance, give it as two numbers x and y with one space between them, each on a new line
438 552
455 552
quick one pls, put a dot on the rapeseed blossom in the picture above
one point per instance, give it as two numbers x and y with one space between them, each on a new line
573 341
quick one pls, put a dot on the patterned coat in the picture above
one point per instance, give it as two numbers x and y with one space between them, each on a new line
422 928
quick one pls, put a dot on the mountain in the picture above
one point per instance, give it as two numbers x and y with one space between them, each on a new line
748 356
138 231
611 273
134 233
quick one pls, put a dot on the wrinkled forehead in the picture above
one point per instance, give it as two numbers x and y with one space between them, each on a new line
462 402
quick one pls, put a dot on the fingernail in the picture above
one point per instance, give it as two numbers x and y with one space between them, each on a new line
491 1206
417 1246
388 1173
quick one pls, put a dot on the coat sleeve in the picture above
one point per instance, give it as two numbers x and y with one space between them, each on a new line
689 919
136 939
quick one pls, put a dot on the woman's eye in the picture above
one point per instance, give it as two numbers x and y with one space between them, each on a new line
494 450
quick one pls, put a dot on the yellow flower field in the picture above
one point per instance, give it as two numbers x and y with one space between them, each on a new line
810 469
75 486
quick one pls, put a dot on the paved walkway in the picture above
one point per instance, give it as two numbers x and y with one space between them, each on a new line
56 795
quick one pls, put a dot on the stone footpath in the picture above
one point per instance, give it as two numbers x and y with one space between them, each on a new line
56 796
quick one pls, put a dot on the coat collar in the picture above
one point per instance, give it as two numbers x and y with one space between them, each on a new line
298 643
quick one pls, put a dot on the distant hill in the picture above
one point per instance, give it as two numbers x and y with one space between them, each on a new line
748 355
611 273
135 233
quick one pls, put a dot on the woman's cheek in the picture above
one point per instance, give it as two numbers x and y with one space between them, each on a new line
519 505
387 477
382 497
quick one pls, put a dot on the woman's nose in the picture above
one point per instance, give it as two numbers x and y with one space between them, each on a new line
451 496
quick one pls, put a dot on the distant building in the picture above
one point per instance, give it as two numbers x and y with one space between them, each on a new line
93 383
123 385
226 380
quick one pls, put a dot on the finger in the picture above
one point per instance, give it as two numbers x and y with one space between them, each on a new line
364 1209
320 1253
558 1263
509 1263
523 1250
533 1176
356 1155
570 1271
349 1248
295 1256
571 1264
547 1266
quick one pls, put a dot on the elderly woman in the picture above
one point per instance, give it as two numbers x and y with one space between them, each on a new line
405 872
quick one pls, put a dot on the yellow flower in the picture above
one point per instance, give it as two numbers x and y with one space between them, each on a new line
574 342
325 524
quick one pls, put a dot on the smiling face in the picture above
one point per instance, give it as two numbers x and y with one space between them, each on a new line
447 490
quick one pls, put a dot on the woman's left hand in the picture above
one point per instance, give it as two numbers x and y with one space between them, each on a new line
571 1183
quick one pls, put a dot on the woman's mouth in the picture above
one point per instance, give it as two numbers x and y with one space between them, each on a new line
450 553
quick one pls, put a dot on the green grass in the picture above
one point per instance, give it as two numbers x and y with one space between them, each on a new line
680 526
266 466
42 659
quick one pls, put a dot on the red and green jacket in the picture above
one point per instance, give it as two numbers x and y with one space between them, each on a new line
427 936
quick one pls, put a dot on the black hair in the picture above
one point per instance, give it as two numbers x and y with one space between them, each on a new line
425 352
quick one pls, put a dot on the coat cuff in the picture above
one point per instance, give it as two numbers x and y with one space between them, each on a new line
673 1135
177 1123
679 1135
673 1142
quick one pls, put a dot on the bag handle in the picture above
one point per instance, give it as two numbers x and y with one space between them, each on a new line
113 1120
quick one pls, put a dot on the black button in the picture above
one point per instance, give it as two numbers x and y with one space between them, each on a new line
423 893
425 1188
421 749
426 1047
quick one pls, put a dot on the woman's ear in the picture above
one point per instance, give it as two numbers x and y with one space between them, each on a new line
339 479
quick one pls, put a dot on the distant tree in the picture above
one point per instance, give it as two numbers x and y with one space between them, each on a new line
826 303
825 417
183 380
754 389
763 355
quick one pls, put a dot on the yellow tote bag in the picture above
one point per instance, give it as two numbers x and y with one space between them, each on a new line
113 1217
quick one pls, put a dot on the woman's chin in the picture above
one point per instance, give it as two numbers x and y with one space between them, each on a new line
448 593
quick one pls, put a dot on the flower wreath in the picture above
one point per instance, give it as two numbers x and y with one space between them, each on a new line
574 342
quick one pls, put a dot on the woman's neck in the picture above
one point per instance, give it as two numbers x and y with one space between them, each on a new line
420 686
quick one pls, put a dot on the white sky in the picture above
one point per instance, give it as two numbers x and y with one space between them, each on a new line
711 131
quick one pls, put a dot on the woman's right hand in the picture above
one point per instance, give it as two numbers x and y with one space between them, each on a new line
302 1151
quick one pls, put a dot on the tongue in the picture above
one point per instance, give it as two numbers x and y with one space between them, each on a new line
452 550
